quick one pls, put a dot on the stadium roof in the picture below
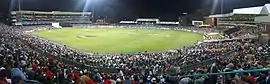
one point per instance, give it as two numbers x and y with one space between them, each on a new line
266 9
221 15
260 10
168 23
53 12
147 19
128 22
250 10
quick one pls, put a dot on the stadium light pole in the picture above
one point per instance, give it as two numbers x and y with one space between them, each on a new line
93 12
19 8
221 7
19 4
86 6
94 2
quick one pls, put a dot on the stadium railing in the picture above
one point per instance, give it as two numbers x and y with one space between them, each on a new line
220 76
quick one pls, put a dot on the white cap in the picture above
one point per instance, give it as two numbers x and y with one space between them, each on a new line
2 68
153 78
85 70
118 80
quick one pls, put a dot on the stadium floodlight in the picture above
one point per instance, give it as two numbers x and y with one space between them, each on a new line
221 6
216 2
86 6
19 1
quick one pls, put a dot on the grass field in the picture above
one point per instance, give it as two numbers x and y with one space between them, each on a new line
120 40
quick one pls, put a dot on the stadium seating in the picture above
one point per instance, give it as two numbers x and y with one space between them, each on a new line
33 60
231 30
65 24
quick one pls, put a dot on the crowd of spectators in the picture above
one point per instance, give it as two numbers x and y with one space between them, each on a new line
214 37
189 55
22 61
248 56
247 32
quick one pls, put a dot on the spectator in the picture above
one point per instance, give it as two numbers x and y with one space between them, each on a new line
17 73
21 53
3 76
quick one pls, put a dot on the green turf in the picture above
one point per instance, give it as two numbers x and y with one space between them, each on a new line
120 40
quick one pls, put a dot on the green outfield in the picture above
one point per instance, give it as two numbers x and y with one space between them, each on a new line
120 40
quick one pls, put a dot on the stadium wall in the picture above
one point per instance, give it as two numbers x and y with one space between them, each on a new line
262 19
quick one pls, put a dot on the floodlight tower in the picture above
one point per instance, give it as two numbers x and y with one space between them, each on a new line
19 5
93 12
86 6
221 6
20 15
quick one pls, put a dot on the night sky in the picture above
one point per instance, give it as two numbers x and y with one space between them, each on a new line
131 9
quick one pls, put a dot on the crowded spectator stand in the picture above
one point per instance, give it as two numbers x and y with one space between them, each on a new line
29 59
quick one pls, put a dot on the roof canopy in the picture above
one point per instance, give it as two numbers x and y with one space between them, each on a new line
260 10
250 10
147 19
168 23
53 12
266 9
127 22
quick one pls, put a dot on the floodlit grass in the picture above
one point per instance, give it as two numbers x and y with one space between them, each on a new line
120 40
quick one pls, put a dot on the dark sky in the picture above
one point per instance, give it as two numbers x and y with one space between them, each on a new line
131 9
